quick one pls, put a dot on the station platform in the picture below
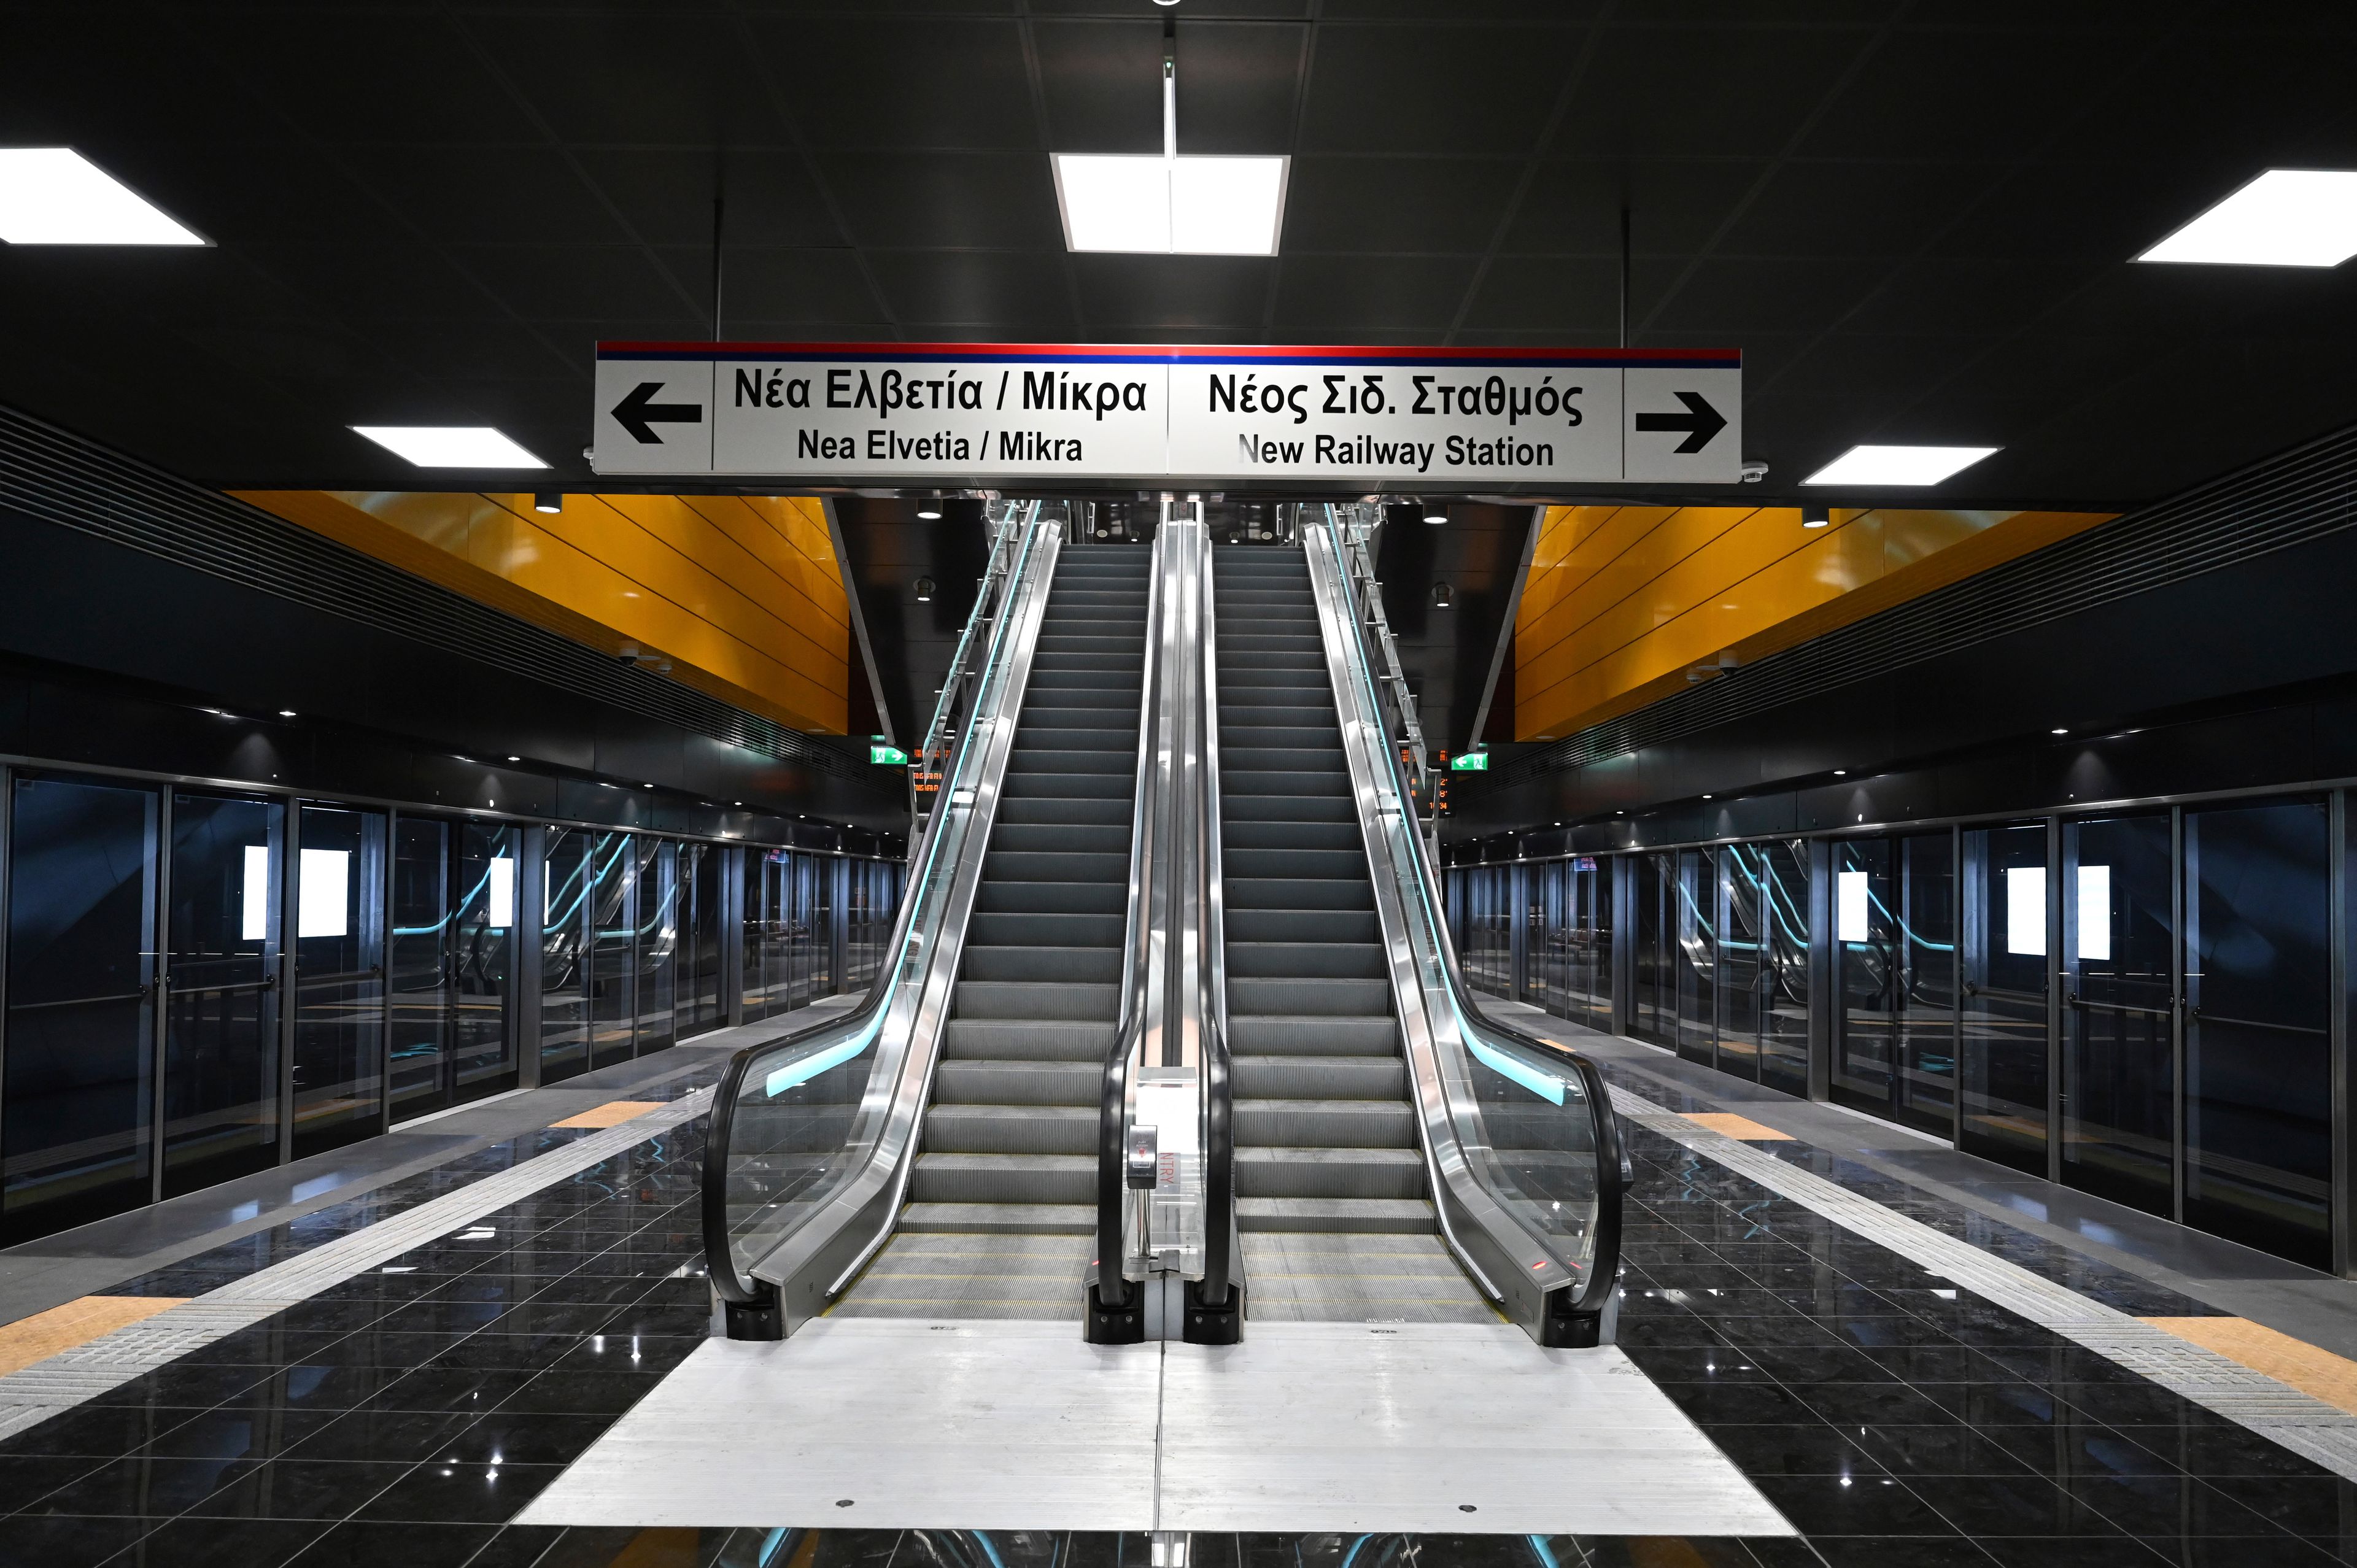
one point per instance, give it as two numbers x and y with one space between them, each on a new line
436 1358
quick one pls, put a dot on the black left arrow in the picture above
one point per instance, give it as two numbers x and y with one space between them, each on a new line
1700 422
636 416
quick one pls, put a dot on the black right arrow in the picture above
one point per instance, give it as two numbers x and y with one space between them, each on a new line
636 416
1701 421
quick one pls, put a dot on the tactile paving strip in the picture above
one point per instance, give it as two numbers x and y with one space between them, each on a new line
50 1387
2306 1425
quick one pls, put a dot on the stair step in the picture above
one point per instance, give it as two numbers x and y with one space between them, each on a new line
1319 1078
1027 1039
1281 1172
1353 1125
1000 1219
1364 1216
1007 1178
1025 1083
1011 1129
999 999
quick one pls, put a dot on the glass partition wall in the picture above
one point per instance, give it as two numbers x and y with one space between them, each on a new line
2139 1004
203 984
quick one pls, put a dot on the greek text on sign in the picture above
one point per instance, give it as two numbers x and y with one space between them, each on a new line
953 412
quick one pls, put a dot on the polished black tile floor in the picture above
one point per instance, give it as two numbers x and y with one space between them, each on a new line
402 1417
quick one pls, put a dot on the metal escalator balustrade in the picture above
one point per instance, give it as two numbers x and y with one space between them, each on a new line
1520 1150
813 1135
1168 1265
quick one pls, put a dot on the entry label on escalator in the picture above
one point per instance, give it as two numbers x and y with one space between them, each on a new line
953 412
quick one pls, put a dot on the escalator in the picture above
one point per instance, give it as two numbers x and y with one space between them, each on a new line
1399 1157
1000 1218
1170 1002
1331 1193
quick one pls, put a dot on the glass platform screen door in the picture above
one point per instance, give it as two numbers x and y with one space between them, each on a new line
2005 1055
1895 958
222 931
339 979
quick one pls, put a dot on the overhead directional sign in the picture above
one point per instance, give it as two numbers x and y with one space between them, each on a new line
963 413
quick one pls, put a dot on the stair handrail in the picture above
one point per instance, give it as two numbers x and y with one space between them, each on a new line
1219 1141
1006 529
1111 1303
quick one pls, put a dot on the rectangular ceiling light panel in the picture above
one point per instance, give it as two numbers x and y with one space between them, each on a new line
2286 218
1898 465
54 195
450 445
1183 206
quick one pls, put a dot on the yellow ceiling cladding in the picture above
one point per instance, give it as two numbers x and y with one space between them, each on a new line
1623 601
742 593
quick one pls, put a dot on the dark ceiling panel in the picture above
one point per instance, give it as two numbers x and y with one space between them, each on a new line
582 283
1471 92
491 194
1915 219
772 284
908 81
1005 200
1239 88
1575 297
1675 206
662 76
1160 291
1396 204
977 286
1102 81
1720 94
664 194
1339 299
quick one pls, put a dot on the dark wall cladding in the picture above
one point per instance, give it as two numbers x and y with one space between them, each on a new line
113 567
131 571
2215 624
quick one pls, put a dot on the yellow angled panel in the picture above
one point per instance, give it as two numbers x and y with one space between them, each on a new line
1635 598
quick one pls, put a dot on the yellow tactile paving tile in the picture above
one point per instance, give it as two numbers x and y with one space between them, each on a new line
2317 1373
1733 1126
45 1334
613 1113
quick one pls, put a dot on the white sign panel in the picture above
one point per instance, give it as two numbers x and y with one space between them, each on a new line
967 412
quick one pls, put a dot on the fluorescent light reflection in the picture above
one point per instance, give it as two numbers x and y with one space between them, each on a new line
2286 218
54 195
450 445
1898 465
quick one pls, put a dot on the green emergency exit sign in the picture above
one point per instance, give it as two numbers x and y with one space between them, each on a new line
887 755
1470 762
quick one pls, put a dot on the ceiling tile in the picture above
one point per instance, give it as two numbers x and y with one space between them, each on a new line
1332 299
1396 204
1477 91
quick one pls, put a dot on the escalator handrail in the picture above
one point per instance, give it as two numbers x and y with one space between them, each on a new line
1219 1077
1113 1285
1614 1171
1008 530
719 1253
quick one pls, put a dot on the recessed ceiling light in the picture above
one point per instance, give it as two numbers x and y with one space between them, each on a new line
516 759
1841 772
2286 218
450 445
286 713
1192 205
54 195
1898 465
2057 732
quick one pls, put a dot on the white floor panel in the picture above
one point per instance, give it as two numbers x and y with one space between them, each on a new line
1349 1427
972 1425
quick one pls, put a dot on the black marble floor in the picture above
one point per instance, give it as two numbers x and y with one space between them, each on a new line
404 1416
